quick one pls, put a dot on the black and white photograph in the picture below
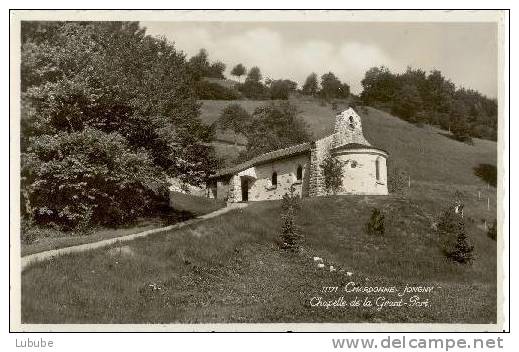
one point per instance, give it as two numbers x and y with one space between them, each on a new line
234 170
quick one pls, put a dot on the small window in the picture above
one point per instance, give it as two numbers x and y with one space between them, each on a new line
377 169
352 124
353 164
274 179
299 173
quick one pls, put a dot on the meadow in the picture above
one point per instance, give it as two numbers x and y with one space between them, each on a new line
231 269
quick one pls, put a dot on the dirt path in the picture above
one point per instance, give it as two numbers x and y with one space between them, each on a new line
41 256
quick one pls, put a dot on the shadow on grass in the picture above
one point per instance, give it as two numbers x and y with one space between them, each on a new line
487 173
467 141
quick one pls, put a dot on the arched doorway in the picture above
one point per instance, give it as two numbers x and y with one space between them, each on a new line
244 189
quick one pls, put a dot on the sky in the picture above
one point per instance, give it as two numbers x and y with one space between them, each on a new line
466 53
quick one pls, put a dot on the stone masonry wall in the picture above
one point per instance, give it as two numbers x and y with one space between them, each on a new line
319 152
348 129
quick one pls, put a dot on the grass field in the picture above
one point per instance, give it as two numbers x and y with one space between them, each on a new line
194 204
230 269
185 206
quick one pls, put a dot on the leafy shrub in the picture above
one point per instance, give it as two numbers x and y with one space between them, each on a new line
375 224
214 91
291 236
492 230
281 89
332 173
453 238
77 179
254 90
461 131
397 181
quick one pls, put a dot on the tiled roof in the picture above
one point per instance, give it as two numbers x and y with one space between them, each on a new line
263 158
351 146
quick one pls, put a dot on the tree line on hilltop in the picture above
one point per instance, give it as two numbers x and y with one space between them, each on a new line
254 86
420 97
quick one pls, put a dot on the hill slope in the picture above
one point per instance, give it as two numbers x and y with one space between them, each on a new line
427 153
229 269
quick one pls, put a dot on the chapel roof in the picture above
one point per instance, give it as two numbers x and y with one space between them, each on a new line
263 158
353 146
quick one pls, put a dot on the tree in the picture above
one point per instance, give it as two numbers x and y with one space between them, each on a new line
460 127
281 89
253 88
332 169
254 75
199 64
407 103
235 118
311 85
331 87
238 70
379 85
216 70
274 126
105 83
431 98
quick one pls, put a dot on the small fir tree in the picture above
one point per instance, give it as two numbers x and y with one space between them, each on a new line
291 237
375 224
453 238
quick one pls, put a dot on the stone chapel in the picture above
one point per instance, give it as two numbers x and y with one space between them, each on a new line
269 176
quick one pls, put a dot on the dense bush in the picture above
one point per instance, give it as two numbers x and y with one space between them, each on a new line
453 238
214 91
492 230
487 172
75 179
332 169
254 90
375 224
291 237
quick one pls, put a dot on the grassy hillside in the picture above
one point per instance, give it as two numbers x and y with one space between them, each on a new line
194 205
185 207
427 153
230 269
